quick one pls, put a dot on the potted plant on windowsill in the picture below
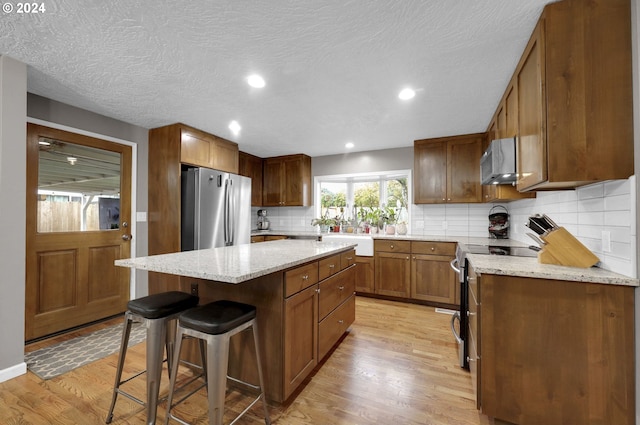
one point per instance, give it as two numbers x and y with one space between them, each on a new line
389 218
324 222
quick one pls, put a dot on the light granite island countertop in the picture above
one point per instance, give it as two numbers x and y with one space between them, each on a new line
239 263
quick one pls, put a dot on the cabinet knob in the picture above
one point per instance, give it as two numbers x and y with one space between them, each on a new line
407 258
331 266
340 321
341 288
318 290
433 248
349 258
391 246
305 277
448 199
414 258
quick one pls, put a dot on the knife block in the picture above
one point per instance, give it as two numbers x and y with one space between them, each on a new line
564 249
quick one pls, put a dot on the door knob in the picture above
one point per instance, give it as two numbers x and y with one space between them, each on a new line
127 237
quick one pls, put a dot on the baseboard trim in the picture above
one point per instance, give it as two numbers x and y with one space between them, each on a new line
13 371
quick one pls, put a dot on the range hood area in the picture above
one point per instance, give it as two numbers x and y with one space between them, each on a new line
498 163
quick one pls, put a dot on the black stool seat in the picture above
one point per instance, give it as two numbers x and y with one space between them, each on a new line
163 304
217 317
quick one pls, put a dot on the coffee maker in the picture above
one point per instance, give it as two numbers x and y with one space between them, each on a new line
263 222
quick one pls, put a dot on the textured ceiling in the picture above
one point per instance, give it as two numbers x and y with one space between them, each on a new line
333 68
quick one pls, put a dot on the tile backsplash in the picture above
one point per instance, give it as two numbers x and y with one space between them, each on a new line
591 213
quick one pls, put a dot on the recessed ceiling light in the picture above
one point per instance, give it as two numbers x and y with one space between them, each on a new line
256 81
349 145
407 94
235 127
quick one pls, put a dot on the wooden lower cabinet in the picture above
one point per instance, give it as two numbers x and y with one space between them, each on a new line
556 352
393 274
365 274
416 270
294 337
432 278
300 337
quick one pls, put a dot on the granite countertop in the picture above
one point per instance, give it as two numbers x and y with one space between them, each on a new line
530 267
236 264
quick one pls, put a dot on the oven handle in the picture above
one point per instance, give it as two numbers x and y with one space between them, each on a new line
454 265
454 317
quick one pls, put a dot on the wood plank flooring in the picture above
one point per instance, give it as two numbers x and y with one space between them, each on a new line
397 365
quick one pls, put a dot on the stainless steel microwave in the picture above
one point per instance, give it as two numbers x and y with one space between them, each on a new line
498 163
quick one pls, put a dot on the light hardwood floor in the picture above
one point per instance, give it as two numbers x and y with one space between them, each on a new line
397 366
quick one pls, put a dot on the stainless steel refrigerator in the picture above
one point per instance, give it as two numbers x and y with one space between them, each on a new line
216 209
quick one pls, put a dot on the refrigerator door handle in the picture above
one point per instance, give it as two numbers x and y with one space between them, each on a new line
226 212
232 212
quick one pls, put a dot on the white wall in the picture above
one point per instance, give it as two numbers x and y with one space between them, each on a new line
13 164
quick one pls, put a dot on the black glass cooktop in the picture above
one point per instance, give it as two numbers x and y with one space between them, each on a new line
518 251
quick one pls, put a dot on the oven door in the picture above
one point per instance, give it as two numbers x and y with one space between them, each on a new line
461 316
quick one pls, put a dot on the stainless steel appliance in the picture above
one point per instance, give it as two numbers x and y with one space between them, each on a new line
460 317
461 266
263 221
216 209
498 163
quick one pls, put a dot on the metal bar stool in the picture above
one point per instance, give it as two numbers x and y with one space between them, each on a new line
216 323
155 312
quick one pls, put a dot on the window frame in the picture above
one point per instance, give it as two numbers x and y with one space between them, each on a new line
350 178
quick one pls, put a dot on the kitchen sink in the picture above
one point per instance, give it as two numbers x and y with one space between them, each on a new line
365 243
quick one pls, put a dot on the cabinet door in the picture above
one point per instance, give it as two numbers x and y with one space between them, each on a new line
251 166
463 170
296 186
430 173
272 186
531 144
223 155
432 279
194 151
364 275
300 337
393 274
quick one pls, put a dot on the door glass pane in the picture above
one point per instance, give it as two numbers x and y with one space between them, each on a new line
78 187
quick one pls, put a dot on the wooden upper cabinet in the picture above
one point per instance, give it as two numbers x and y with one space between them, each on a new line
503 125
206 150
447 169
575 122
287 181
251 166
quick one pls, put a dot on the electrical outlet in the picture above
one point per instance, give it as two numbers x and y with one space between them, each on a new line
194 289
606 241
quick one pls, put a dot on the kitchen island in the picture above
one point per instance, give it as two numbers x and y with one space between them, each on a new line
303 291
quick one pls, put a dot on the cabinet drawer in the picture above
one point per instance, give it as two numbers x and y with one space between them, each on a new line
336 289
391 245
300 278
347 258
329 266
334 325
435 248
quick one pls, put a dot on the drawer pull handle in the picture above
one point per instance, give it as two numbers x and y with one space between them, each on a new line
331 266
305 277
341 321
341 288
349 258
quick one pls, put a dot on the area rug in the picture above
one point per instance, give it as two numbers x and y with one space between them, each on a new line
55 360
